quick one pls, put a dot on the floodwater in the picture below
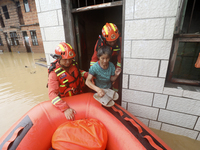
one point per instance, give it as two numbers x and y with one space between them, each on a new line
23 79
22 85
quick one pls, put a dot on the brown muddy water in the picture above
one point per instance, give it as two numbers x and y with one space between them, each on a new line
23 79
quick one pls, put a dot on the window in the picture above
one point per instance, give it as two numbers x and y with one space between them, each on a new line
14 39
186 45
34 38
19 12
1 43
5 11
26 6
1 21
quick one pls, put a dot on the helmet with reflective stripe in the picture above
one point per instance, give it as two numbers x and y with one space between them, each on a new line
65 50
110 32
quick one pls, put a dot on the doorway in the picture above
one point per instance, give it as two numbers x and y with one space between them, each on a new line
88 26
7 41
26 41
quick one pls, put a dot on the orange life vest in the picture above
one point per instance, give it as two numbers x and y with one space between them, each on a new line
71 83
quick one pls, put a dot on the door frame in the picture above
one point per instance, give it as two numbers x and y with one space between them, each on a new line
69 27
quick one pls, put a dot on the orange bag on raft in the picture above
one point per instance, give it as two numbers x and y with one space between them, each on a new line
86 134
197 64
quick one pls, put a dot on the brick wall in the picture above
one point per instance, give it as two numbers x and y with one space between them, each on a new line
30 18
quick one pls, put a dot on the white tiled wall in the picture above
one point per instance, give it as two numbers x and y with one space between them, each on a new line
51 25
149 26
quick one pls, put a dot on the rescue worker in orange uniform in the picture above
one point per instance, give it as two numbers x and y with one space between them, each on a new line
64 78
110 37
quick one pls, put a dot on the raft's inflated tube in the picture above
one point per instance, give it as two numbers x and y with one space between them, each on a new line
125 132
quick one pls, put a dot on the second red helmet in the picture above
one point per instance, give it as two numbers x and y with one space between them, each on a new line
65 50
110 32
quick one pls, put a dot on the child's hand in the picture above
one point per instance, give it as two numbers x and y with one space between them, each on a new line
118 71
101 92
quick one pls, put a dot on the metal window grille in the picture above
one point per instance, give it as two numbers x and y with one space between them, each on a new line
14 38
34 38
186 46
85 3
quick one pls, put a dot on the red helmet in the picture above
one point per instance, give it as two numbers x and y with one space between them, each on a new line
65 50
110 32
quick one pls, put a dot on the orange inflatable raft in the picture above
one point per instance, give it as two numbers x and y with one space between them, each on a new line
35 129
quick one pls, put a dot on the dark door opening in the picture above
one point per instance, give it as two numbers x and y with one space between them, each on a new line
88 26
26 41
7 41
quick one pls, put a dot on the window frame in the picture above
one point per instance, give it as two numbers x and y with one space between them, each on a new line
177 38
14 39
5 12
25 8
34 43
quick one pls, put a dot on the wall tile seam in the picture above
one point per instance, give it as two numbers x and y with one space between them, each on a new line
58 17
49 10
53 10
167 101
184 97
150 18
190 97
162 109
171 94
125 39
197 136
159 66
144 75
141 104
152 99
148 58
147 76
127 57
126 106
170 40
143 91
180 112
128 81
180 127
54 40
196 122
164 26
142 118
52 26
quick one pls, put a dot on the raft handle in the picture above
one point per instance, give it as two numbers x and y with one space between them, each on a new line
16 135
12 139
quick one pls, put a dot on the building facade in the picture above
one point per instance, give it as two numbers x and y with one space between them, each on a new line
19 27
150 33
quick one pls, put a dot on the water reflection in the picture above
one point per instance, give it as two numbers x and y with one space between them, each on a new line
23 85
